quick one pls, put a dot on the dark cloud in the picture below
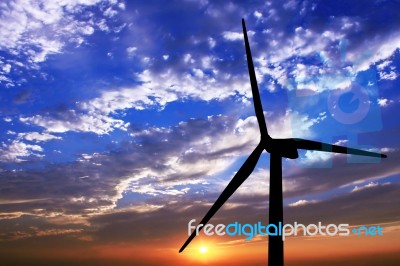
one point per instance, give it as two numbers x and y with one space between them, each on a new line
92 182
22 96
341 173
371 205
374 205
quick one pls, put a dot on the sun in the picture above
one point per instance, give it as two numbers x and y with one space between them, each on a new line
203 250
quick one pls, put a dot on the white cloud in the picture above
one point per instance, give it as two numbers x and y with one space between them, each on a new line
334 72
17 151
392 75
292 4
369 185
121 5
187 58
302 203
150 189
258 184
131 50
386 70
145 208
37 29
312 157
162 88
206 155
37 137
381 49
382 102
109 12
211 42
383 65
236 36
316 78
232 36
6 68
102 24
341 142
48 47
93 122
387 149
282 127
257 14
87 30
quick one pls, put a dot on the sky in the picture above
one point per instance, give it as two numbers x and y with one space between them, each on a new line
121 121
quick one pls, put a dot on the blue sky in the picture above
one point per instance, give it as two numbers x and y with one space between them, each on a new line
131 106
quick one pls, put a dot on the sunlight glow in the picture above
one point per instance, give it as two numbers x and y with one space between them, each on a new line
203 250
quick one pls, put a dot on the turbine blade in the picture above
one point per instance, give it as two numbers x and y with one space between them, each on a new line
243 173
320 146
254 87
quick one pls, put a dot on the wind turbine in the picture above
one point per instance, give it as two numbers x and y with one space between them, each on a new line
278 149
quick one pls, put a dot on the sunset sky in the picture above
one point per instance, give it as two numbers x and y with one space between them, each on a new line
121 121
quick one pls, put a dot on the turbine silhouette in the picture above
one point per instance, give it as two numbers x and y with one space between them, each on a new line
278 149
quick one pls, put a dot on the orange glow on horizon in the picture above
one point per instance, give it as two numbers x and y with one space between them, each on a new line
228 251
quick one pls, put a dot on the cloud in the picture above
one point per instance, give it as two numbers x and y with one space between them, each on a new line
73 121
211 42
235 36
342 48
156 90
57 232
382 102
205 74
359 208
313 157
302 203
131 50
37 137
256 186
148 165
369 185
18 151
257 14
383 65
392 75
33 30
283 126
282 45
339 173
6 68
149 189
387 149
174 161
373 205
341 142
232 36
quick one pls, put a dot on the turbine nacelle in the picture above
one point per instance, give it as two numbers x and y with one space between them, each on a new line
285 148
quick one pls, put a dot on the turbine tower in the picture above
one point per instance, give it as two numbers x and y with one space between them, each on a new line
278 149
